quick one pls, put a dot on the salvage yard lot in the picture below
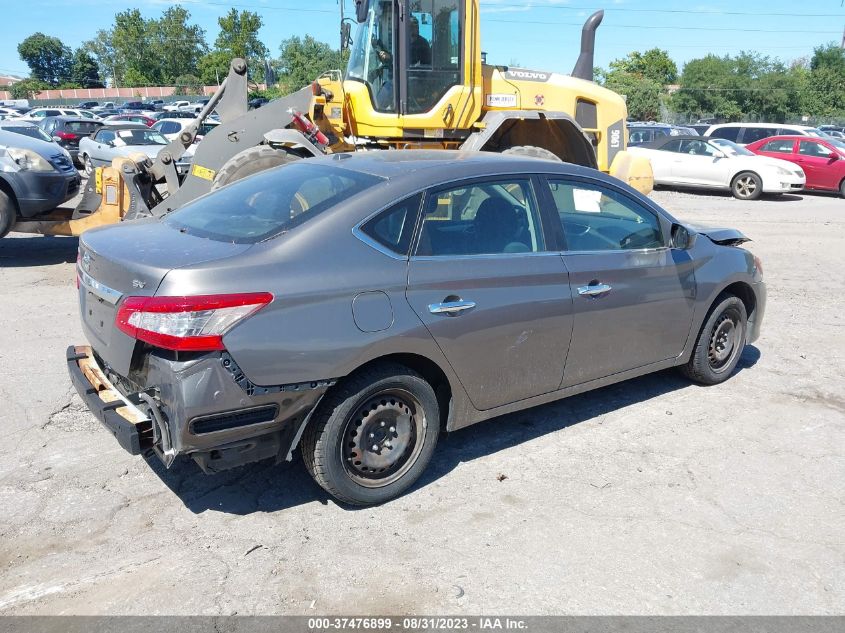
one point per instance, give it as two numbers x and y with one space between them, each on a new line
652 496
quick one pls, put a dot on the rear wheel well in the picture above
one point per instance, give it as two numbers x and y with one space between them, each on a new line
554 135
429 370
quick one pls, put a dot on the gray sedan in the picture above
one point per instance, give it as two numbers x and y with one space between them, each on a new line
110 142
357 306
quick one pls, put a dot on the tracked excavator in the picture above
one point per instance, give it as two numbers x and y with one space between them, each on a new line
416 79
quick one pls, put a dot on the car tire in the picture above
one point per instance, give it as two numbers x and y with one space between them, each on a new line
842 188
251 161
747 185
87 165
8 213
532 152
720 342
388 405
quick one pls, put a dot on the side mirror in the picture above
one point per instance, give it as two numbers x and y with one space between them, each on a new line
682 239
57 139
362 8
834 157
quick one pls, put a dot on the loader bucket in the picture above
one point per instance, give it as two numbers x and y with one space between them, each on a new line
634 170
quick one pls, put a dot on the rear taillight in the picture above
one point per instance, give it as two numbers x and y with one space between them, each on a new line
185 324
66 136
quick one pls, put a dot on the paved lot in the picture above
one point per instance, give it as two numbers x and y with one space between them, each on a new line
649 497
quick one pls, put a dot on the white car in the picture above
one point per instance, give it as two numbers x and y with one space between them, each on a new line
37 114
176 106
704 163
108 143
171 128
9 113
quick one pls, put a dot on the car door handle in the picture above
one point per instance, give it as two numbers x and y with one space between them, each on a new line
450 307
593 290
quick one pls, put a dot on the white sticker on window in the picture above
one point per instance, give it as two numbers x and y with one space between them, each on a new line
501 101
587 200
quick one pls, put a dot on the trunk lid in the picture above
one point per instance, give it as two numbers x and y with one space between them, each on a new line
131 260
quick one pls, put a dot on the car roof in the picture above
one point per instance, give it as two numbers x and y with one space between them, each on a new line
771 125
446 164
66 118
17 122
791 137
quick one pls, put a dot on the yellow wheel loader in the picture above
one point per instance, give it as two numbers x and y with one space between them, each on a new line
416 79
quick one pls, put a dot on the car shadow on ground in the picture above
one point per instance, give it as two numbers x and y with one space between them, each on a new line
20 251
268 487
718 193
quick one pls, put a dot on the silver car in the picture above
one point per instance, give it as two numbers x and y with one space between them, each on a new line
108 143
356 306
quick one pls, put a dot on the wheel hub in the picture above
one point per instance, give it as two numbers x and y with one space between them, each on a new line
722 342
379 439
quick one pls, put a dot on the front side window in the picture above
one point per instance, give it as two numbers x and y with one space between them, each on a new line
105 136
433 55
595 219
781 147
811 148
481 219
371 59
269 203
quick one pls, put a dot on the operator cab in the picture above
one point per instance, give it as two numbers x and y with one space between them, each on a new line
408 54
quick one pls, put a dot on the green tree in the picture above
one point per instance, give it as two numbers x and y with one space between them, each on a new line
27 88
188 85
642 95
302 60
84 71
239 38
213 67
48 59
133 44
655 65
180 45
829 56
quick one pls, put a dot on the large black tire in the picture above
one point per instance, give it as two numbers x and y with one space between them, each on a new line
8 214
720 342
747 185
532 152
348 447
842 188
251 161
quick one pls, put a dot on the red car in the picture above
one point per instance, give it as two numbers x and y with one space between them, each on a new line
822 159
132 118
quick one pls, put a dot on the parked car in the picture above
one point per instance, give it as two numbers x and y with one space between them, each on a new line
154 105
368 302
176 106
700 128
745 133
173 114
109 143
196 106
704 163
10 113
132 118
35 177
88 105
835 134
27 128
642 133
832 128
171 128
107 105
254 104
823 160
67 131
131 106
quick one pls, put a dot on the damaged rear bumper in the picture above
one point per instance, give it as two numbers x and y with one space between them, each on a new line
130 426
200 405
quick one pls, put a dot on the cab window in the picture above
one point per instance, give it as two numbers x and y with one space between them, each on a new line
433 52
598 219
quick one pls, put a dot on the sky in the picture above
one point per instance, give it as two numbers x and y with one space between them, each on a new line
539 34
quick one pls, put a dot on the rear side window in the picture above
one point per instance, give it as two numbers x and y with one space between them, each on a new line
269 203
394 228
672 146
482 218
728 133
752 134
782 147
597 219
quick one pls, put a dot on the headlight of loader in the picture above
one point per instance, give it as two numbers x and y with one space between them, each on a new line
27 160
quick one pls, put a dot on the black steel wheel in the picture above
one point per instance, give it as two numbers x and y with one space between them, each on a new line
372 435
720 342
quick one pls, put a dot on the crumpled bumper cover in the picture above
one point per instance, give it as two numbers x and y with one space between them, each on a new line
130 426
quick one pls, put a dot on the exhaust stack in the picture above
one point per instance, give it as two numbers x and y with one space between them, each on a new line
584 66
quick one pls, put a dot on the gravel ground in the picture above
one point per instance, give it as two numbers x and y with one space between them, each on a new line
649 497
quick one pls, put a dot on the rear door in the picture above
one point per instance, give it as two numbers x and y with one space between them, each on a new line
633 296
785 149
493 296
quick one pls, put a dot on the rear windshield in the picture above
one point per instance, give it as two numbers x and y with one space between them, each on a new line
82 127
269 203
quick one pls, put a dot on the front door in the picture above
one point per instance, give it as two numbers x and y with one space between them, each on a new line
633 296
817 162
699 163
496 301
